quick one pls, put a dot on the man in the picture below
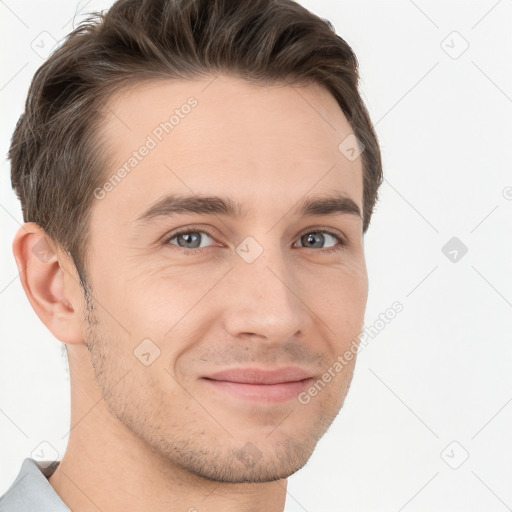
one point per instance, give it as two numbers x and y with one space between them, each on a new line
196 180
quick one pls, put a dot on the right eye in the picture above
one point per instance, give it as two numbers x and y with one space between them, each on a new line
188 239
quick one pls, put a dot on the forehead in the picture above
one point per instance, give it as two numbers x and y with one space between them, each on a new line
264 146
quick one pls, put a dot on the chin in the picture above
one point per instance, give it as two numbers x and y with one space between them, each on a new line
248 464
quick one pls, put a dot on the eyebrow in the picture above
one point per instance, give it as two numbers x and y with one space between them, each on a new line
174 204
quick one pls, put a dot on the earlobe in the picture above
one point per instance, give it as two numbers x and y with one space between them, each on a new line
42 267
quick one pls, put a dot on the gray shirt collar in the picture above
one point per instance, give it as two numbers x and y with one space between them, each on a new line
31 490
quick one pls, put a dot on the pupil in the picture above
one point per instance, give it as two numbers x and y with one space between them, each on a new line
189 238
311 238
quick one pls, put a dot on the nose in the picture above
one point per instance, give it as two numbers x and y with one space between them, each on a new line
263 299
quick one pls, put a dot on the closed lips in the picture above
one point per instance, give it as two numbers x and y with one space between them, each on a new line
261 376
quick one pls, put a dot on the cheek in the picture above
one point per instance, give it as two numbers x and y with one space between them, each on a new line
340 303
339 293
142 295
166 308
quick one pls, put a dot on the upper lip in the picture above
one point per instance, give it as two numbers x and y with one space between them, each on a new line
262 376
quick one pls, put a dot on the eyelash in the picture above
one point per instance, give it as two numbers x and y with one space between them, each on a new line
341 246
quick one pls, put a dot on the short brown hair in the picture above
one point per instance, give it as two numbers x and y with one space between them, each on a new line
56 160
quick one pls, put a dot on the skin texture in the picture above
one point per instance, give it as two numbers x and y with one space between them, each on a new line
158 436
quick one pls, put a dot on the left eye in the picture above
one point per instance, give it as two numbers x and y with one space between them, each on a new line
313 238
310 240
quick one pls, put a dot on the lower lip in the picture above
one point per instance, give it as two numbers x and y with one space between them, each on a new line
263 392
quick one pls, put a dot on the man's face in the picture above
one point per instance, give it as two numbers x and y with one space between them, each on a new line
260 291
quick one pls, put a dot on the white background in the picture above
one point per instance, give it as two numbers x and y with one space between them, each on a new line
441 370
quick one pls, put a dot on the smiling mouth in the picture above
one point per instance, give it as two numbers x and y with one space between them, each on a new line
276 385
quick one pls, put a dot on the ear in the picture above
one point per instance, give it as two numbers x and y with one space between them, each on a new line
50 281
